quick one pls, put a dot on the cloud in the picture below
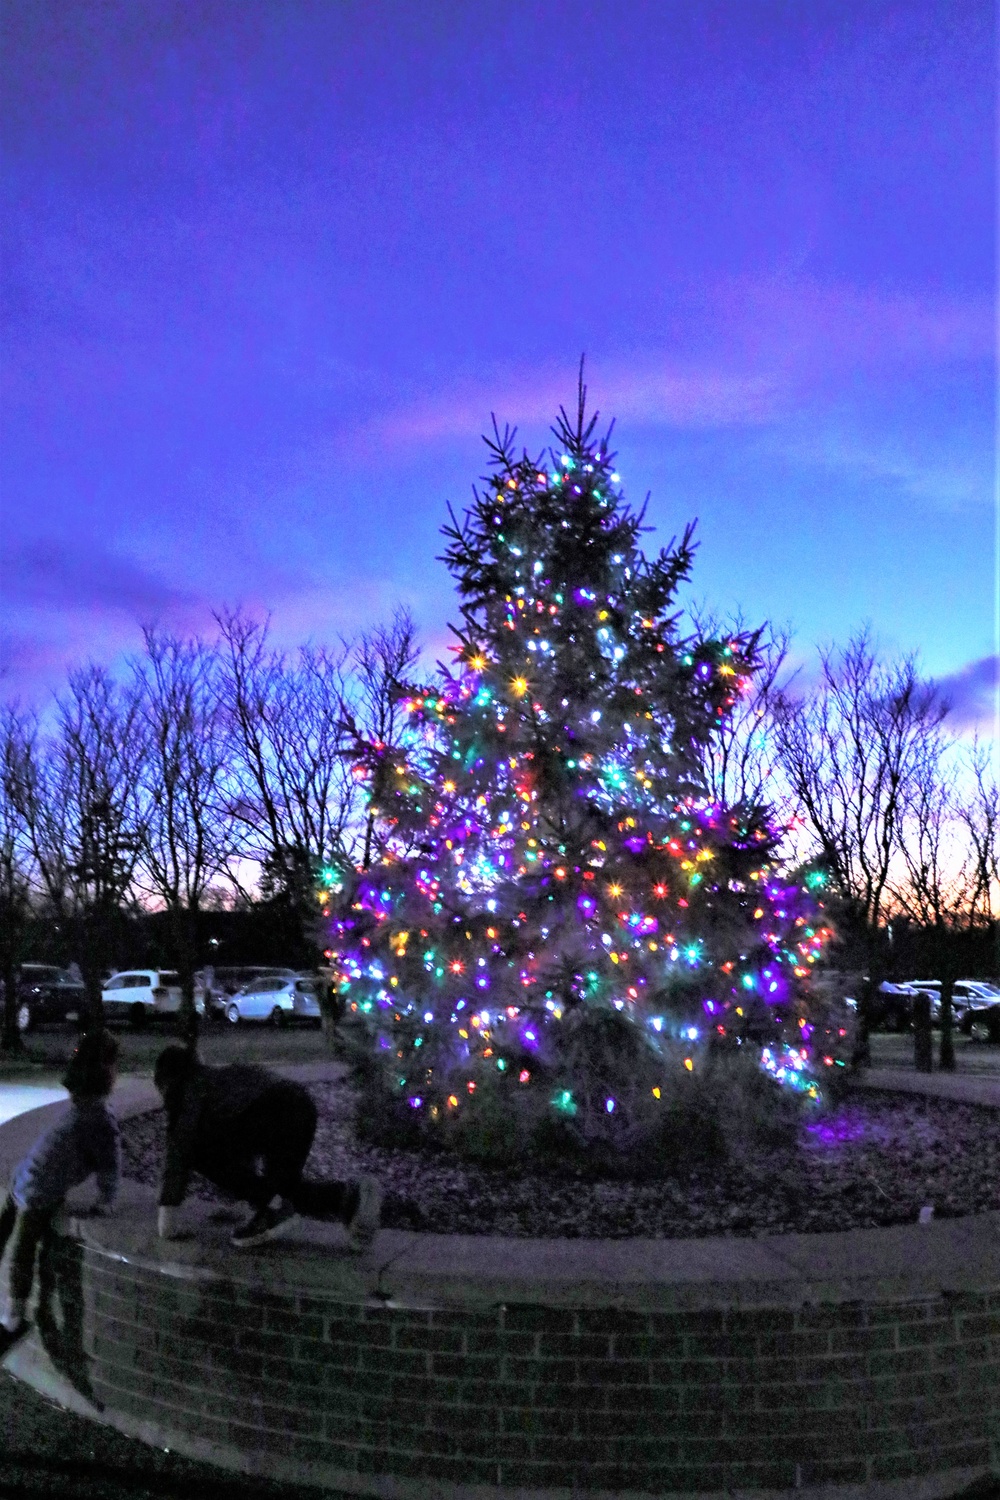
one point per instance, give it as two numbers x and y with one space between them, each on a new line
651 392
767 345
797 322
950 482
52 575
972 693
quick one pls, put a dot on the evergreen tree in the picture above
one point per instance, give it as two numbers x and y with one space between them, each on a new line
563 929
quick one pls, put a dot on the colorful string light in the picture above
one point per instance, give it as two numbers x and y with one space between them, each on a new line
547 842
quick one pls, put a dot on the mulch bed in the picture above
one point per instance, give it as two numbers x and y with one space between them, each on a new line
874 1159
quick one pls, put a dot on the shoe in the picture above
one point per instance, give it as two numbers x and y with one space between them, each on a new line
11 1336
265 1224
365 1214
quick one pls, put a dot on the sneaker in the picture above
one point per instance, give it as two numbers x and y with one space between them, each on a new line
365 1214
11 1336
265 1224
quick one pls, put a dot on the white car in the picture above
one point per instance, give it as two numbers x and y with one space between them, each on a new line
966 995
139 995
277 999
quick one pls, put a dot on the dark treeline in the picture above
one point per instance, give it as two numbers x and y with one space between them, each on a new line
194 807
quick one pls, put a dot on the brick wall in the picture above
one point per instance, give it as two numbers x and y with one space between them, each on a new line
537 1397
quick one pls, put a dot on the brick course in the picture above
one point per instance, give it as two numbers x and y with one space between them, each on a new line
523 1395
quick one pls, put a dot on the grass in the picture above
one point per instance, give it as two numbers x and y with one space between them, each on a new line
895 1050
47 1051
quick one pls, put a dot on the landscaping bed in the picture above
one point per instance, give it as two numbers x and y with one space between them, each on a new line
874 1159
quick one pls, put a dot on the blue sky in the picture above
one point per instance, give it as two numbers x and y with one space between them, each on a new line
269 267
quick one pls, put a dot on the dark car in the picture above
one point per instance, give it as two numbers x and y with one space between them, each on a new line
47 994
893 1007
981 1018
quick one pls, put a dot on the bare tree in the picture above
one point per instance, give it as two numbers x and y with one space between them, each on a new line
82 812
848 750
741 765
17 868
187 839
979 811
382 660
292 791
931 883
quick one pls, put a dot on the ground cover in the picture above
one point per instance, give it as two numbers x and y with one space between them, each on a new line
874 1159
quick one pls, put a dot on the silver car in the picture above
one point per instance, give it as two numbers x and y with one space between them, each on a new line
279 1000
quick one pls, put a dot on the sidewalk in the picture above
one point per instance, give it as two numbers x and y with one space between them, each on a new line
21 1126
963 1088
18 1098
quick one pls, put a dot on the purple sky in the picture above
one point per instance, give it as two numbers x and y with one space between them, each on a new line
268 267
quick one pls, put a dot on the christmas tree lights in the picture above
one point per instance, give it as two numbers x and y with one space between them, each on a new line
551 853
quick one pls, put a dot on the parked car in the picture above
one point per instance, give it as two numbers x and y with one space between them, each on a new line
981 1018
279 1000
221 984
894 1006
46 993
965 992
141 995
931 987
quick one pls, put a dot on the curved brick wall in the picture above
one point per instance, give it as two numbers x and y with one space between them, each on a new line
650 1367
338 1384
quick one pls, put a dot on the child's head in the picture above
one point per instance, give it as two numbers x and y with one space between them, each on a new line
172 1065
93 1066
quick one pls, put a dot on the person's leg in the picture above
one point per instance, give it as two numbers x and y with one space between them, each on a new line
280 1130
277 1131
29 1227
234 1170
8 1217
286 1128
323 1200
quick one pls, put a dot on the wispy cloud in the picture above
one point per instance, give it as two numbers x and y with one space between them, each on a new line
802 324
768 345
652 392
972 694
949 481
51 574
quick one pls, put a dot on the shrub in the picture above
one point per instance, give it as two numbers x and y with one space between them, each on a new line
614 1102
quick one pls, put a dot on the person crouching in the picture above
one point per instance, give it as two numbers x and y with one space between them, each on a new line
250 1132
84 1142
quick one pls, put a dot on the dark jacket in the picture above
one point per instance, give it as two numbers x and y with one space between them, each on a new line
203 1108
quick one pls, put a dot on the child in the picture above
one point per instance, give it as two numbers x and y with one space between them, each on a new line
250 1132
84 1141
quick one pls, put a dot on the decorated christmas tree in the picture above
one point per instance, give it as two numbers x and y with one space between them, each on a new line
562 935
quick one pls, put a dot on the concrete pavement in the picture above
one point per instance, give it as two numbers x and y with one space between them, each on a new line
19 1098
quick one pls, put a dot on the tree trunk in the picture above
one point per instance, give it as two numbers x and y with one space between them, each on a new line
862 1054
867 1002
331 1003
923 1038
946 1052
184 926
11 1040
95 932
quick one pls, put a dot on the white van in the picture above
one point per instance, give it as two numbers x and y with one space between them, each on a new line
139 995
